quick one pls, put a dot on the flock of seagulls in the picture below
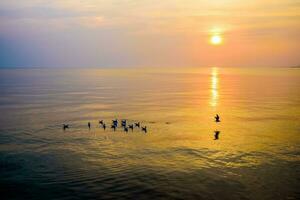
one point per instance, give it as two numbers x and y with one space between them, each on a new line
126 127
115 124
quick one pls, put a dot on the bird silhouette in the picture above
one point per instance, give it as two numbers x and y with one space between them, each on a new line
144 129
123 123
217 135
130 126
65 126
217 118
113 126
115 122
137 124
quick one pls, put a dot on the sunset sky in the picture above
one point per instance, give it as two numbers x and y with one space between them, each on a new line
149 33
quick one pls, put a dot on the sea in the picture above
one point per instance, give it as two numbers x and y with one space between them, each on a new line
252 153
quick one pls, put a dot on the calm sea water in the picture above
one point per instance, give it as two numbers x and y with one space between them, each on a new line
255 157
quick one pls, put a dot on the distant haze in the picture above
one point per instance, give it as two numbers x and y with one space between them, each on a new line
121 33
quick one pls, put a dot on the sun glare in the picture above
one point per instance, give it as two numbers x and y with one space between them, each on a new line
216 39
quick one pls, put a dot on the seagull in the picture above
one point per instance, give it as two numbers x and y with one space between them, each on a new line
113 126
217 135
217 118
137 124
115 122
124 123
144 129
130 126
65 126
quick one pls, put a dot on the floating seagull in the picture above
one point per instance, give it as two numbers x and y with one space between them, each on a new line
115 122
137 124
130 126
144 129
217 135
65 126
217 118
124 123
113 126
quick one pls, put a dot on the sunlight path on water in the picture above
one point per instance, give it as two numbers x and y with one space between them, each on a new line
214 87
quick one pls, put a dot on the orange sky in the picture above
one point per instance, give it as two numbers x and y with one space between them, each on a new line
149 33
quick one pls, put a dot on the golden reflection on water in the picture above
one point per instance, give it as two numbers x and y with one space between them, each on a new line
214 87
258 129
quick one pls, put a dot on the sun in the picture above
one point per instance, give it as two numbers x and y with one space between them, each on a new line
216 39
